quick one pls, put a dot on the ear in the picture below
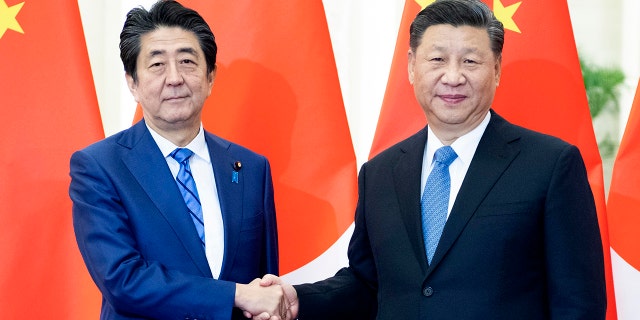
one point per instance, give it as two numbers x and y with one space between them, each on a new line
498 70
211 77
411 65
132 85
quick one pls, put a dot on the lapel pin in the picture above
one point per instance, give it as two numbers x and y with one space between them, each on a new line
236 167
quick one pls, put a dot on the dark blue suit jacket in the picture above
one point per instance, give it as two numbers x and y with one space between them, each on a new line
139 243
521 242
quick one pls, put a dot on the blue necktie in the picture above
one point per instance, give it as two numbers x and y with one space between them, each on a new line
187 187
435 199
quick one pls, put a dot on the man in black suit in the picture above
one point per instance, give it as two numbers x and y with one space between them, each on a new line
521 238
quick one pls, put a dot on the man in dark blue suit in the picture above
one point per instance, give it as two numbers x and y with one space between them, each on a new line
506 229
151 252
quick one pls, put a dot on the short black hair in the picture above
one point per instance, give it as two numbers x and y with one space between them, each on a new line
164 13
472 13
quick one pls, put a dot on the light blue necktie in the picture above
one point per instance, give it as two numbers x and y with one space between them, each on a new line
435 199
187 187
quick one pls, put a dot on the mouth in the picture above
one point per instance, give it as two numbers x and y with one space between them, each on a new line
452 98
174 99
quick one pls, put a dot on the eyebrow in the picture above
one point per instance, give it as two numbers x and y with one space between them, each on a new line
466 49
189 50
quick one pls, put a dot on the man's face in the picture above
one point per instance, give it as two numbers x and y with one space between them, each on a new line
172 79
454 74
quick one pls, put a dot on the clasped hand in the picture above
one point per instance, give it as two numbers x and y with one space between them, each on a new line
268 298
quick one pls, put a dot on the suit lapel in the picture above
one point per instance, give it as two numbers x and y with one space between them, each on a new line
493 155
148 166
407 184
230 195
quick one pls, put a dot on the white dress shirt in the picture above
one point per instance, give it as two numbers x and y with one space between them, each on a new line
203 175
465 147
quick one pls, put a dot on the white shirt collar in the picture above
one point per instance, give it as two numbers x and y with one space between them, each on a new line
465 146
198 145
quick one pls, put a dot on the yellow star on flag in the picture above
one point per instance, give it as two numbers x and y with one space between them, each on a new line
8 17
505 15
424 3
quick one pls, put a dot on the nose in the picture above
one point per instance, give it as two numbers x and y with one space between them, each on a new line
174 77
453 75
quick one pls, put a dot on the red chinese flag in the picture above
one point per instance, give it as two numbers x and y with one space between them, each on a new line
49 109
400 115
277 92
624 215
541 88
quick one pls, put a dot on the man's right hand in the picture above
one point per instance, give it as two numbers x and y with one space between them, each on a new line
261 301
290 294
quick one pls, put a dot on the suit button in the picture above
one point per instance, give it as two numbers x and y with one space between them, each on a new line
427 292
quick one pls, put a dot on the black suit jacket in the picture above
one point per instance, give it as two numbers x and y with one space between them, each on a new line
521 242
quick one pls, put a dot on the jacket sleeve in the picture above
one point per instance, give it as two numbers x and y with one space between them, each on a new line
575 263
270 258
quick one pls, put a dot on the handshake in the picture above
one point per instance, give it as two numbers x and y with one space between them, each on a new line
268 298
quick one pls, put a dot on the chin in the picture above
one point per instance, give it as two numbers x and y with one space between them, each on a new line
450 115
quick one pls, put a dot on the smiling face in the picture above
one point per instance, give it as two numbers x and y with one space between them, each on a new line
172 82
454 74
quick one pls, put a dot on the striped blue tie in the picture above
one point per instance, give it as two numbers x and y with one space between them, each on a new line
187 187
435 199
